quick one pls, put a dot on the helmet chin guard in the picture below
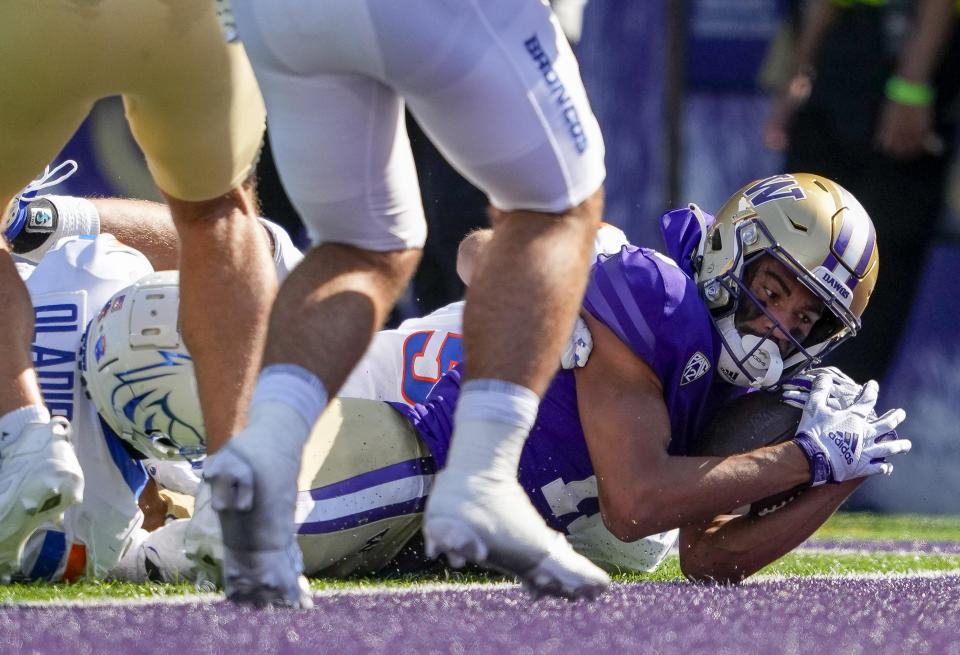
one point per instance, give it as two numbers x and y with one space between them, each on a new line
748 360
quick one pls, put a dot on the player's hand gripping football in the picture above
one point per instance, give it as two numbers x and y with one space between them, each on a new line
843 392
842 443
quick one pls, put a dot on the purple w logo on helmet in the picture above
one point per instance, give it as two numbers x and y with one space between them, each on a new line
775 188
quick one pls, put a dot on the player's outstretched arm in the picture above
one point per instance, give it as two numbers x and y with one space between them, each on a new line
143 225
731 547
642 489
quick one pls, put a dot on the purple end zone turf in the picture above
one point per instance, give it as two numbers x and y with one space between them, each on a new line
810 616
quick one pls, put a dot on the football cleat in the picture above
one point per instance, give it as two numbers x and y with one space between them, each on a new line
263 579
203 542
494 524
39 478
262 564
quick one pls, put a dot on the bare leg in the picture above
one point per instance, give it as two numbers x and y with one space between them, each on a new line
331 305
521 307
18 379
323 320
40 476
227 286
529 285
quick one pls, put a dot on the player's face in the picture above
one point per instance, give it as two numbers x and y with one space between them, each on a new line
792 305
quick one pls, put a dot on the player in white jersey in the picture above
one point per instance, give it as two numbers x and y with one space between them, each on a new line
403 364
69 286
193 106
496 87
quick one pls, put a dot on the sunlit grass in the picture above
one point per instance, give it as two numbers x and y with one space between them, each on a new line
900 527
843 526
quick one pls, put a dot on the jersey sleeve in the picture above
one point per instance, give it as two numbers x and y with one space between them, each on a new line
643 297
100 265
285 254
433 419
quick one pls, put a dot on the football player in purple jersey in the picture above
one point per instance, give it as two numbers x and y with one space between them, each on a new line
749 299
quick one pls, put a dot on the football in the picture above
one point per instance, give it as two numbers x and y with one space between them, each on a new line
752 421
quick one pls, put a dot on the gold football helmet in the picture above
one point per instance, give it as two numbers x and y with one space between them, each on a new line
818 230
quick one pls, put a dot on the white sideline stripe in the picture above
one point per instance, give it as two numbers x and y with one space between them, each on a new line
208 598
761 579
813 550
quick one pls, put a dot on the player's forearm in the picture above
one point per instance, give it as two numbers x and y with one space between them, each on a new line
143 225
817 19
935 21
680 491
730 548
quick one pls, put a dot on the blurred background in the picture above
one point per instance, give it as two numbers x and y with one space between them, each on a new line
687 94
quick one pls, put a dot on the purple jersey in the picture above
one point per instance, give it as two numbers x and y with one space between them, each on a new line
653 306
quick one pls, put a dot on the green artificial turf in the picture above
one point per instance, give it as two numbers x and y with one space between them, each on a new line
843 526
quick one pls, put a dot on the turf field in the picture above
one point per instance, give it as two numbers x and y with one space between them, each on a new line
863 584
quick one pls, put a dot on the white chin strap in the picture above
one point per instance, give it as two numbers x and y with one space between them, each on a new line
762 369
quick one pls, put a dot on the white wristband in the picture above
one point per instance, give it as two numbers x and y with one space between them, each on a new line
71 216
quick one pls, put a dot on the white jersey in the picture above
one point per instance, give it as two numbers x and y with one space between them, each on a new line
403 364
73 282
68 287
285 255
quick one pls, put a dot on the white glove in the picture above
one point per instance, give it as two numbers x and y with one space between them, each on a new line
843 392
844 443
578 347
203 542
176 475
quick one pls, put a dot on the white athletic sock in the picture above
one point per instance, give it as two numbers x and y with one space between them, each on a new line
492 421
293 397
13 423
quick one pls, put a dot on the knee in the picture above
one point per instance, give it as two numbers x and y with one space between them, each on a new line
586 215
237 204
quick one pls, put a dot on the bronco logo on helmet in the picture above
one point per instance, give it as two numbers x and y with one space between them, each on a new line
139 374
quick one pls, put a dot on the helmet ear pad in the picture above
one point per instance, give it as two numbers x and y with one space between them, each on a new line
139 374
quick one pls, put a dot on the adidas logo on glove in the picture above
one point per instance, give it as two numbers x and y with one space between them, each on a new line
847 443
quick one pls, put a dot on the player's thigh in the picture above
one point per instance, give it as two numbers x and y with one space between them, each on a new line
193 106
341 149
499 92
336 130
363 484
44 98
